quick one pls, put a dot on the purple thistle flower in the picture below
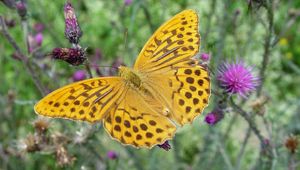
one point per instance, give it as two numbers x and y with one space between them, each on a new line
79 75
74 56
127 2
38 27
210 118
22 9
236 78
72 30
112 155
38 38
214 117
205 57
166 146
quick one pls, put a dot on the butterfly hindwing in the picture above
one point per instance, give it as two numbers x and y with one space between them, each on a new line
139 123
86 100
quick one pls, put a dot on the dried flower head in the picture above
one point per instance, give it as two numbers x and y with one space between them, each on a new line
29 144
112 155
60 139
292 143
41 125
72 30
74 56
258 105
62 157
166 146
236 78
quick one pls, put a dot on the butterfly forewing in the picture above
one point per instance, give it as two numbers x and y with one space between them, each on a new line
172 45
88 100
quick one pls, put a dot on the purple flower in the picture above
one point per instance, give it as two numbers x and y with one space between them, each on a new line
38 39
22 9
112 155
166 146
38 27
74 56
127 2
214 117
10 22
79 75
205 57
72 30
35 41
236 78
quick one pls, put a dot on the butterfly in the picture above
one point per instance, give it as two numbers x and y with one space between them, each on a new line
142 106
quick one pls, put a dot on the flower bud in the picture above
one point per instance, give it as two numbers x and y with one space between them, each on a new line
166 146
205 57
74 56
79 75
38 27
22 9
214 117
72 30
112 155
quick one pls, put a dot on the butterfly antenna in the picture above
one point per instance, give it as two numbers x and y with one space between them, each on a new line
125 40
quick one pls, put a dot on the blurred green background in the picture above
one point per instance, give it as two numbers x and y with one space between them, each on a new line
115 32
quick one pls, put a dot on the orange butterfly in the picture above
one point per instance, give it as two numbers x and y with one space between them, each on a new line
141 105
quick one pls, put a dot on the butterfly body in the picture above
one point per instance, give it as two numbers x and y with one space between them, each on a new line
130 76
142 105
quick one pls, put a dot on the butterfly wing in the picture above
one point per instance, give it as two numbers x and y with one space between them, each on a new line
87 100
128 115
137 120
169 70
173 44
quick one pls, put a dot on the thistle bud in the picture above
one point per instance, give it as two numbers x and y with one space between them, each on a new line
72 30
112 155
79 75
205 57
166 146
74 56
22 9
214 117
